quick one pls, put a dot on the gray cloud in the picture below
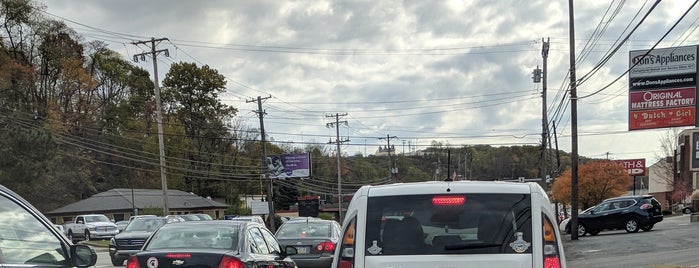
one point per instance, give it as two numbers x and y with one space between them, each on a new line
407 68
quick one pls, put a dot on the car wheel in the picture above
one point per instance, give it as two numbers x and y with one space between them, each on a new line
582 230
117 261
87 235
631 225
647 227
593 232
70 236
686 211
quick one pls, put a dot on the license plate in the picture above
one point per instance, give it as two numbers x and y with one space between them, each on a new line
303 250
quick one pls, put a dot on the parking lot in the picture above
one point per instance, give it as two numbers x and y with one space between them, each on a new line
672 243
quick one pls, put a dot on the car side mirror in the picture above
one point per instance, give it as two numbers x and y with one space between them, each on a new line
83 256
290 250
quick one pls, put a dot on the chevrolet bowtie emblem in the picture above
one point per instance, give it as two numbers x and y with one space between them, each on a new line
177 262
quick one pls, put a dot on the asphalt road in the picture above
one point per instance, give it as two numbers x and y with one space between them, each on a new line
673 243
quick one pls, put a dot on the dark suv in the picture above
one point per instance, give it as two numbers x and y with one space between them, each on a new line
629 213
128 242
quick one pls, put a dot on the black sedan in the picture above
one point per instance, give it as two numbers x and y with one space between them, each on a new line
314 239
212 244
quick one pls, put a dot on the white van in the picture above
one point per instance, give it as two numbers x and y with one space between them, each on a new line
450 224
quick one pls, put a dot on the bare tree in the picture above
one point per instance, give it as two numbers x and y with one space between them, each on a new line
668 145
680 186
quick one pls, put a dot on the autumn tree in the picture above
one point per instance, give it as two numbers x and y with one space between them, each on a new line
190 95
597 180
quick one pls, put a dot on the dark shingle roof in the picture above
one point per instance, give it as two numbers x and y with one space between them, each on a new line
120 199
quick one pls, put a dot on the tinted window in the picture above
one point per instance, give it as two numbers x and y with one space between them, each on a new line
304 229
194 236
451 224
145 224
97 218
24 240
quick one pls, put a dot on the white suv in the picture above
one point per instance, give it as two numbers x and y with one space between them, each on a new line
450 224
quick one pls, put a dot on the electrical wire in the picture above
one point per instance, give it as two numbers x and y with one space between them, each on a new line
646 54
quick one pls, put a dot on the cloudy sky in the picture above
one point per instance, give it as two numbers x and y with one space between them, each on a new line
457 72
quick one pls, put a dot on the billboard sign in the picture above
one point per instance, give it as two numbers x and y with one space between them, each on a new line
662 88
289 166
695 151
635 167
662 62
662 118
259 208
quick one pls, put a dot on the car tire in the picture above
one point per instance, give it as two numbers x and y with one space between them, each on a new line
593 232
631 225
117 261
87 235
647 228
686 210
582 230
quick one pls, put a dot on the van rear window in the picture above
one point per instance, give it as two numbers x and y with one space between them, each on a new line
449 224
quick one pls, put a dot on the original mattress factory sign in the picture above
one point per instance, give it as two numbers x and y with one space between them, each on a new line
662 88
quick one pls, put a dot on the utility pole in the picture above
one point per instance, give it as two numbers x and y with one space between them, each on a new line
337 156
158 113
263 163
391 170
573 127
544 115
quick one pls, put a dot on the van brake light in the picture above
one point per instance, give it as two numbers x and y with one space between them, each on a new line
448 200
551 256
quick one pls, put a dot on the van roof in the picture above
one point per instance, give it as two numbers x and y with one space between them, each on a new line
448 187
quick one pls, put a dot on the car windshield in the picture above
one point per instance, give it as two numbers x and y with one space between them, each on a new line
190 217
204 216
145 224
451 224
194 237
304 229
96 218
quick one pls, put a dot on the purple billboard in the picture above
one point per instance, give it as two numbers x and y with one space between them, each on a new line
289 166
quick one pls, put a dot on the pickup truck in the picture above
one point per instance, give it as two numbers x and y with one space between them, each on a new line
91 226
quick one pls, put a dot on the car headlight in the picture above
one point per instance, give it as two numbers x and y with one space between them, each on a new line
92 228
112 242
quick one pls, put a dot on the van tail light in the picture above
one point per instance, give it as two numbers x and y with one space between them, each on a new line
132 262
346 254
646 206
230 262
552 258
345 264
325 247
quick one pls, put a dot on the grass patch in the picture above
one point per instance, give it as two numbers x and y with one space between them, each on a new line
96 243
